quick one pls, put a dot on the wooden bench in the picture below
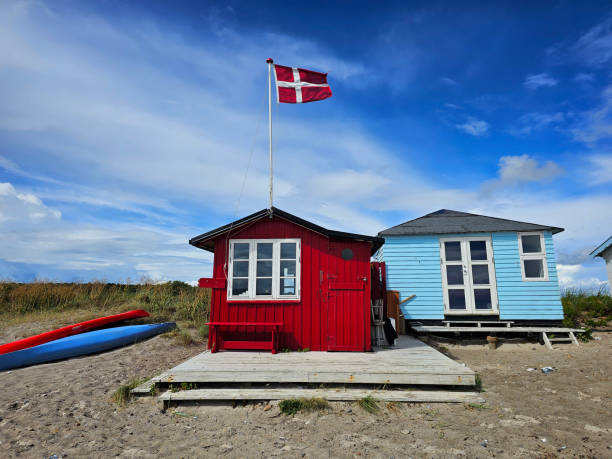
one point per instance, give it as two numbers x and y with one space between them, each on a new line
218 342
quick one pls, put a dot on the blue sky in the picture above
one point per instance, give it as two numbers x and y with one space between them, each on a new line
126 127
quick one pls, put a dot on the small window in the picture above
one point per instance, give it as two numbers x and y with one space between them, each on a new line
452 251
240 270
531 243
347 254
532 250
264 269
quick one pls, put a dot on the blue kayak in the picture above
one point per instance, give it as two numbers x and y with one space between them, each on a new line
85 343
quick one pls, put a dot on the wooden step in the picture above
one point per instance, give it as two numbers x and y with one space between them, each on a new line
570 338
413 396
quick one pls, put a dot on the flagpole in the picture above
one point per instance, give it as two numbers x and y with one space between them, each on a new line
270 62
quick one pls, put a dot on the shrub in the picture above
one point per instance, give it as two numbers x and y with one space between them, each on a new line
583 307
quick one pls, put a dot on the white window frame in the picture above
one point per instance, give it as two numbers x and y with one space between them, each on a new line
533 256
276 274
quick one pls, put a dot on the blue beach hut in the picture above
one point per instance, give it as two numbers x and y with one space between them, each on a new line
462 266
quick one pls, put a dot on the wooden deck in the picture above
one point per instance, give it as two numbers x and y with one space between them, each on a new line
410 362
447 329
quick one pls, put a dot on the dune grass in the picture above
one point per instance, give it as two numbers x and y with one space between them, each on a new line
170 301
369 404
123 394
586 308
293 405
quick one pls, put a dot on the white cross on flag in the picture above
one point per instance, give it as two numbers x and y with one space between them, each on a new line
297 86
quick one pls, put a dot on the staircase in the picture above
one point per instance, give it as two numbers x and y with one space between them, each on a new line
569 338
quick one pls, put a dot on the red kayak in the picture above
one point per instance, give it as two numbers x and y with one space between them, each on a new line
70 330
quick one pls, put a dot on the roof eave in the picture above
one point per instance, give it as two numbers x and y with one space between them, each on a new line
200 241
601 248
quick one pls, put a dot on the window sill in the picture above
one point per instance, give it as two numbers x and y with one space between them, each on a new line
292 300
477 312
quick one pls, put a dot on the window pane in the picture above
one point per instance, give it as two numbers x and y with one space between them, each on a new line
241 251
288 250
241 269
534 269
287 268
456 298
531 243
482 298
263 287
287 286
264 251
454 275
453 251
264 268
480 274
478 250
240 287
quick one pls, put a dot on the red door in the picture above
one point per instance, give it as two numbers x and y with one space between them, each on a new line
347 292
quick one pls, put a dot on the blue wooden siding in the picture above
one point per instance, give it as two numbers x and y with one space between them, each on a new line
518 299
413 268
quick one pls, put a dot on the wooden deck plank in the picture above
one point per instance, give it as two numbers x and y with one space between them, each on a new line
410 362
438 329
413 396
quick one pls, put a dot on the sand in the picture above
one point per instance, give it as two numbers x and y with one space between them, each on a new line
64 409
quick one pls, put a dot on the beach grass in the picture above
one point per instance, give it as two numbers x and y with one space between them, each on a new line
586 308
369 404
293 405
123 394
61 302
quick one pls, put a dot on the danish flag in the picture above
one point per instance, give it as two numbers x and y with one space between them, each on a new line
297 86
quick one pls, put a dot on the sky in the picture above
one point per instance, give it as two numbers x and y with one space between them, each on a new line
127 127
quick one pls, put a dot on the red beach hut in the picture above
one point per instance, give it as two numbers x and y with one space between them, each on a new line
283 282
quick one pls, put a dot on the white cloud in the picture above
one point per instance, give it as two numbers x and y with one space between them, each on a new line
19 209
474 127
520 170
523 168
594 48
595 124
535 121
539 80
580 277
600 169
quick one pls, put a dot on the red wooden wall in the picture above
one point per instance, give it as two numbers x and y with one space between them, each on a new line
333 312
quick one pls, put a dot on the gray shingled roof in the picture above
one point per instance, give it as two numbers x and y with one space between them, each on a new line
450 222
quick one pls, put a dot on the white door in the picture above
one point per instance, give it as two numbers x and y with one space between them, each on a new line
468 276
